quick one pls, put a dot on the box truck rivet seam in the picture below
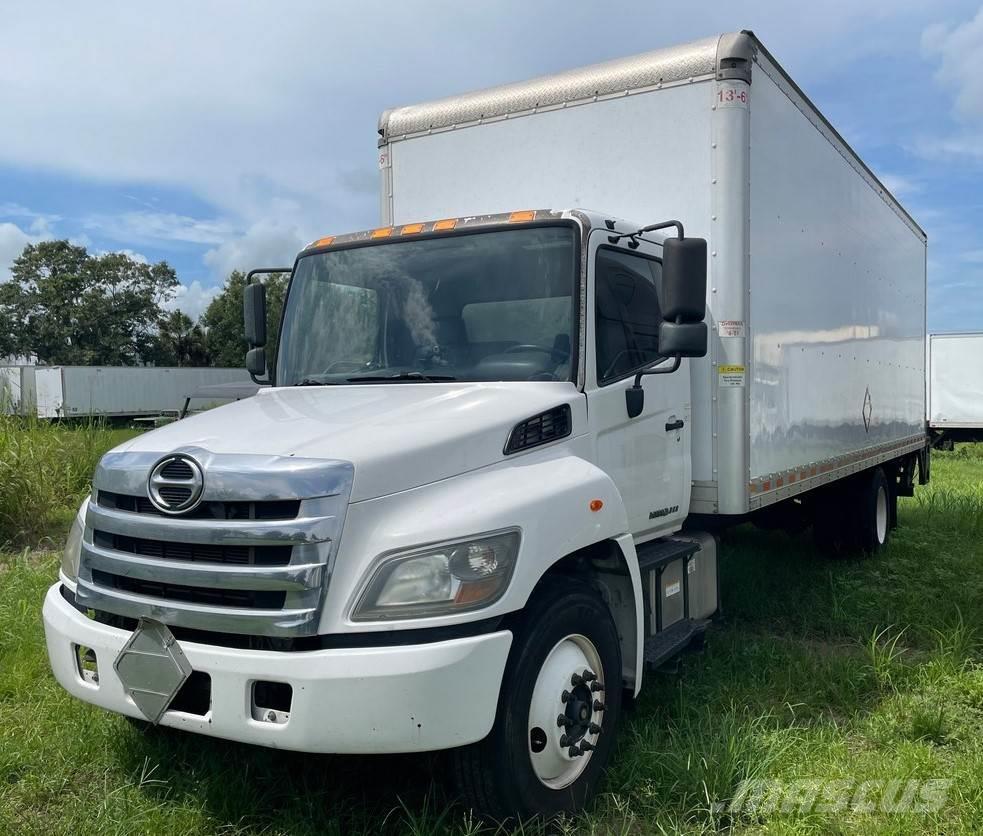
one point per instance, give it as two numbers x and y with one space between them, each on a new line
476 502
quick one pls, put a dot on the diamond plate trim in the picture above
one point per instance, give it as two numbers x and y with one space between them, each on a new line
650 69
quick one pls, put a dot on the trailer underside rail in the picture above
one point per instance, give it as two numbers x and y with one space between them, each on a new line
775 487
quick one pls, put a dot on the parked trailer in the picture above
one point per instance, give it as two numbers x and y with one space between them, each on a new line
955 388
17 390
122 391
464 492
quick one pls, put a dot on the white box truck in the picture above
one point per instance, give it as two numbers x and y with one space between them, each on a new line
474 505
122 391
955 388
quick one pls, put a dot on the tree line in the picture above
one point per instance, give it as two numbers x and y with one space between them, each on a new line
70 307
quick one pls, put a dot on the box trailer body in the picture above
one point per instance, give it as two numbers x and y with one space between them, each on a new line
122 391
817 290
955 387
17 390
605 310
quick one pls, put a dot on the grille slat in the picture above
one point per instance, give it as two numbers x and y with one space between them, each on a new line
280 509
196 552
238 598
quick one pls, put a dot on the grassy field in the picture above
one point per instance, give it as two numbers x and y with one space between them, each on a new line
849 671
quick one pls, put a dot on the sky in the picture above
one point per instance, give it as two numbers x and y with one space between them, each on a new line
222 135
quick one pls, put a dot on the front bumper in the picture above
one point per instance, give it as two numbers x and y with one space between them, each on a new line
411 698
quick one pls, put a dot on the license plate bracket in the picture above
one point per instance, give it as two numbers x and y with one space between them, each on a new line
152 668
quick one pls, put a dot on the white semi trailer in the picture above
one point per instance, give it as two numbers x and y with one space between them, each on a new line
955 388
122 391
472 508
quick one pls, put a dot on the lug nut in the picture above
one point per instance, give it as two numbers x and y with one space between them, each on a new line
564 740
586 747
565 696
598 705
596 686
563 721
594 728
576 680
588 676
574 752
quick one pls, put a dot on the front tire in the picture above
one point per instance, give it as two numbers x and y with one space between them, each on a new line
558 711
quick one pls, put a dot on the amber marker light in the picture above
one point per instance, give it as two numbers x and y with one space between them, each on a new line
596 505
522 217
440 226
411 229
384 232
324 242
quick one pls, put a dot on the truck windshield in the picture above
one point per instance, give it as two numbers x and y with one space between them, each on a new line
482 306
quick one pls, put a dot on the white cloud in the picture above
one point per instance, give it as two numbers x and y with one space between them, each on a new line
155 227
193 298
13 239
960 53
899 185
264 244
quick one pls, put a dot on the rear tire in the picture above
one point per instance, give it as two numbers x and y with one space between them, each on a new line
520 769
874 512
854 515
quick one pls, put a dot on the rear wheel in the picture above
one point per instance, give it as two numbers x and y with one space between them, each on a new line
558 711
874 512
856 514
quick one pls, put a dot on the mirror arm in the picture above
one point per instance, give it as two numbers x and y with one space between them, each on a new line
635 396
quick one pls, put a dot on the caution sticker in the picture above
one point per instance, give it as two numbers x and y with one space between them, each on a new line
730 375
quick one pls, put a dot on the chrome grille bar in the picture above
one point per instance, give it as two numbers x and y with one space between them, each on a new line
144 585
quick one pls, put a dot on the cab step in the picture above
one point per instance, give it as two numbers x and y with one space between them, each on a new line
672 641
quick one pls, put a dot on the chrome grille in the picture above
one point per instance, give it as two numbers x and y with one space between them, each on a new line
253 558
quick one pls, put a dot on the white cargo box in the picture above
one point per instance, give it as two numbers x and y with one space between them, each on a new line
120 391
816 290
955 381
17 394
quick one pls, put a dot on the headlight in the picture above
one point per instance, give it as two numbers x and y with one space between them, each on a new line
73 548
437 580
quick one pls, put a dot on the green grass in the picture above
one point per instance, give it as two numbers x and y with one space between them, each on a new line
45 468
850 670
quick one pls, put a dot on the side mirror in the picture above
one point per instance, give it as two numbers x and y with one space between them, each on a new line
254 314
682 333
684 280
256 362
683 339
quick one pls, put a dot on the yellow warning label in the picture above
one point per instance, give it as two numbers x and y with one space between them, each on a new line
730 375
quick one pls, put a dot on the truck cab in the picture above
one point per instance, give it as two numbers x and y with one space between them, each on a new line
474 445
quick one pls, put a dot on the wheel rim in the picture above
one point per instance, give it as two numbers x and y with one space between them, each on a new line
566 714
881 515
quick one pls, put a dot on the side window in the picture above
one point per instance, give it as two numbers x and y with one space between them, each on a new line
627 312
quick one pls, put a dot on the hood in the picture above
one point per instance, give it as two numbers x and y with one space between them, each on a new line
397 435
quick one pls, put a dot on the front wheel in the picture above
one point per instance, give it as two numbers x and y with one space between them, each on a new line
558 711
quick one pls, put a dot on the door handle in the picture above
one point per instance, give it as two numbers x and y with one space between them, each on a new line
675 425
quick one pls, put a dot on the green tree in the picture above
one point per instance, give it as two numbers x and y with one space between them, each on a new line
70 307
181 342
225 333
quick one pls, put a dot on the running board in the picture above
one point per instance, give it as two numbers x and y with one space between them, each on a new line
672 641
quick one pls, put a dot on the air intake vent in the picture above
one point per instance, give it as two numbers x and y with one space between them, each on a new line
177 469
548 426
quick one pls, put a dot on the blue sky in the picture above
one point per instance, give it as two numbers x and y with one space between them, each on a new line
227 134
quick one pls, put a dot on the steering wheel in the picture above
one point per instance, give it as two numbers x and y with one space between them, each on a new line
514 349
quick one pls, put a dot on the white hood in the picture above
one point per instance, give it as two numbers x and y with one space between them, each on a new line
398 435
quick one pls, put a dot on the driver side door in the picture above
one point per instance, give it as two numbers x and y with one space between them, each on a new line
647 456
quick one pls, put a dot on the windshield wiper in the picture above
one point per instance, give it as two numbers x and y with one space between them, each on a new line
313 381
428 378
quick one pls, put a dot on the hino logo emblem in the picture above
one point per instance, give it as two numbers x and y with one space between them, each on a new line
175 484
